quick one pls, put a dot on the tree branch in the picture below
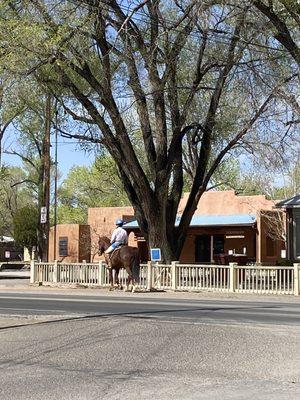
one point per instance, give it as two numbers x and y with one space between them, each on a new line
283 34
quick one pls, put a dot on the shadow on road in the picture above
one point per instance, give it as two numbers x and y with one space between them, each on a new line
142 314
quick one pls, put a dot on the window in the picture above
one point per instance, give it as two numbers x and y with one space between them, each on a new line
219 244
63 246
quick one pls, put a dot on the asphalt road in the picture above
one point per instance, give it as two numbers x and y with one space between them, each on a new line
138 347
179 310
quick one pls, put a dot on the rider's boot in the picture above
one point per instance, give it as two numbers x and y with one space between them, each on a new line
109 261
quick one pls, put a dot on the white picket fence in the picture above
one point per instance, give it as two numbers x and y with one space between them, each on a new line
175 276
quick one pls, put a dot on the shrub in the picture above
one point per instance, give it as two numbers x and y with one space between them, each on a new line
25 224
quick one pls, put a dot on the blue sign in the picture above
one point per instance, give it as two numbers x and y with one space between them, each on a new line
155 254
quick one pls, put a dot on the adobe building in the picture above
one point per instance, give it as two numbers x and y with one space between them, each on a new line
228 228
77 243
73 243
225 228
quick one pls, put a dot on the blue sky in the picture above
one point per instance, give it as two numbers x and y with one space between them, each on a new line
69 153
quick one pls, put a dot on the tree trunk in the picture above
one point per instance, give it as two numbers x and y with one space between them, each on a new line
157 234
157 238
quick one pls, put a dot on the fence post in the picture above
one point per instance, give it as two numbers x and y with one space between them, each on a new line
149 275
296 279
232 277
32 271
55 271
101 273
174 275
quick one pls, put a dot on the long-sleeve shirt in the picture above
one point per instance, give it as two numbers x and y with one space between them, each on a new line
119 235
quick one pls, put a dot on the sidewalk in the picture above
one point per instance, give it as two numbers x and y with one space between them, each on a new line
15 285
11 273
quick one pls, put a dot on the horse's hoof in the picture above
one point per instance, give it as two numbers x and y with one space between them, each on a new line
111 289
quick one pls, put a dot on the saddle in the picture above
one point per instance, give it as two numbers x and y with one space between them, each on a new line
115 251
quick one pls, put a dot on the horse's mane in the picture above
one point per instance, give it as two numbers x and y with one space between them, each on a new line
104 239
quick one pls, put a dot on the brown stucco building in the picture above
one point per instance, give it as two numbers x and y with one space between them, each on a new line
228 228
225 227
73 243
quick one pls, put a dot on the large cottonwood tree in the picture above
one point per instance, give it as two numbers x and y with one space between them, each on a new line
284 15
122 67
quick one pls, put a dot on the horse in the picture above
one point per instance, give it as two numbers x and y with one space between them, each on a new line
123 257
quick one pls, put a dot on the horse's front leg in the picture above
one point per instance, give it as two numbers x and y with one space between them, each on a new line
118 284
127 282
111 279
130 282
134 283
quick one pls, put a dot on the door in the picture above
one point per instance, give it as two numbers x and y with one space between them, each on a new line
202 248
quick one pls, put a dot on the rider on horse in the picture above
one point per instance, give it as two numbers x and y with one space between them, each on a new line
119 237
125 256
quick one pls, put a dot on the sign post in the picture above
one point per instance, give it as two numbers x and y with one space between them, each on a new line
43 215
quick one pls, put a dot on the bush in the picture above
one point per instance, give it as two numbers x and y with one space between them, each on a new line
25 225
284 262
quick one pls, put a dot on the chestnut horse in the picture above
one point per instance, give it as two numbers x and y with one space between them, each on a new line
123 257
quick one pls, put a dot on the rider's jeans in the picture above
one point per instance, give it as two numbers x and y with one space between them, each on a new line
112 247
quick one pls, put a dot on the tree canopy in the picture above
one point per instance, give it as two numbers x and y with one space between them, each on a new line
84 187
202 81
12 197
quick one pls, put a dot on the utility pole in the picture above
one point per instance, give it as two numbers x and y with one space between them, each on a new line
44 201
55 184
0 150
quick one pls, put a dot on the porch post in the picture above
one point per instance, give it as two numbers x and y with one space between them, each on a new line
55 271
101 273
211 248
32 271
296 279
174 275
149 275
232 277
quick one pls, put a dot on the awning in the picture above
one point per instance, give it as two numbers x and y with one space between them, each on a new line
211 220
293 202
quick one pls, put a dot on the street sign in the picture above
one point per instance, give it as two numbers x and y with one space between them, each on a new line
7 254
43 215
155 254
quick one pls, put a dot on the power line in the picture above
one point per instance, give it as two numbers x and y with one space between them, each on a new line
196 35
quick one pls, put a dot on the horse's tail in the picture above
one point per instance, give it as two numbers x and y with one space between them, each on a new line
136 267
